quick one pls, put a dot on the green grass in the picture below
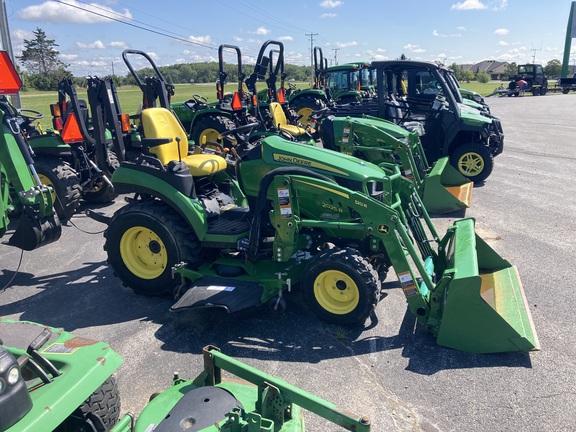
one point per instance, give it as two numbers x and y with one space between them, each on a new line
130 97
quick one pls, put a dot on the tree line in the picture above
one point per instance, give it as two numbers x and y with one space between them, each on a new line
44 70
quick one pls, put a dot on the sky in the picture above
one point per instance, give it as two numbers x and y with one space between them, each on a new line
92 35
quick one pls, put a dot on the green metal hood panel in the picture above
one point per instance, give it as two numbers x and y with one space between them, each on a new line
472 117
277 151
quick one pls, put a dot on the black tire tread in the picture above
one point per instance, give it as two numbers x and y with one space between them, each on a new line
216 122
359 267
66 184
104 403
186 241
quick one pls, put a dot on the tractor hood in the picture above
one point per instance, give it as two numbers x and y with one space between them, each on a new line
472 117
278 151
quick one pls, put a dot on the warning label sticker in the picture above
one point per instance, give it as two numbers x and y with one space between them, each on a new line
407 283
59 348
284 203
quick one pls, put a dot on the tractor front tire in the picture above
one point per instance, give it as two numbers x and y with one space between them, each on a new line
144 240
473 161
102 406
305 106
341 286
64 181
209 127
103 192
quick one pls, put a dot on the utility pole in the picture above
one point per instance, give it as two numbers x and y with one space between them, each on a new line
335 56
6 44
311 35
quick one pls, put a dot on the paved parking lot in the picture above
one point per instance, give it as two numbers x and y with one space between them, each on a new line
392 370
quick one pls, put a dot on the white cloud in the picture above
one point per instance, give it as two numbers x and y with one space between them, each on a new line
327 15
452 35
260 31
469 5
499 5
331 4
346 44
119 45
200 39
285 38
71 12
68 57
414 48
501 31
93 45
461 28
503 43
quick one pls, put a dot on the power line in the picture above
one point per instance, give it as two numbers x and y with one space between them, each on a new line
179 38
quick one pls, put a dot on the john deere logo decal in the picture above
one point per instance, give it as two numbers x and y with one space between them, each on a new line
383 229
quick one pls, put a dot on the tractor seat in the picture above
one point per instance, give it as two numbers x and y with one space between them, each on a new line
281 123
161 123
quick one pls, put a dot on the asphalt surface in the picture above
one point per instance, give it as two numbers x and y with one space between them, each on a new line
392 370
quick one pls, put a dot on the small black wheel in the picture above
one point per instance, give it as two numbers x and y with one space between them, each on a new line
102 407
103 191
65 183
144 240
341 286
277 304
473 160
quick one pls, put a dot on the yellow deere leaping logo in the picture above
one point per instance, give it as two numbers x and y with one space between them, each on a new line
383 229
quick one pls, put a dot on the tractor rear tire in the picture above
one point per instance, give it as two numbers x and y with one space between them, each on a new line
341 286
473 161
305 106
64 181
144 240
104 192
209 127
102 406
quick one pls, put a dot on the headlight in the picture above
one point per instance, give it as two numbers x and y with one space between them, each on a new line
1 386
13 375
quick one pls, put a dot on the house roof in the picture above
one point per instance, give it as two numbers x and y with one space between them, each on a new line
490 66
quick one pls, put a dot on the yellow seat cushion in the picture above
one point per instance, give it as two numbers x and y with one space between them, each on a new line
203 164
161 123
281 123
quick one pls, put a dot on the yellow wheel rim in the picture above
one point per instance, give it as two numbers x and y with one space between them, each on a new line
336 292
471 164
303 114
46 182
208 135
143 252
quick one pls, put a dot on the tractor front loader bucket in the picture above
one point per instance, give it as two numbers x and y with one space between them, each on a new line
484 306
445 189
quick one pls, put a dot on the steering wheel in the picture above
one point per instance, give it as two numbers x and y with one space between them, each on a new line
239 131
319 114
199 99
33 115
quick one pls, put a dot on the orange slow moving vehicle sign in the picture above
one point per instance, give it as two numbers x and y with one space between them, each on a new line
10 82
71 132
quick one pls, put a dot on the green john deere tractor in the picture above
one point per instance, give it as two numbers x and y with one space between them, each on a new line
212 403
238 233
51 380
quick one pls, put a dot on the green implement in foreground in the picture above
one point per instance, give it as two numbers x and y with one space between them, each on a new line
53 380
257 403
